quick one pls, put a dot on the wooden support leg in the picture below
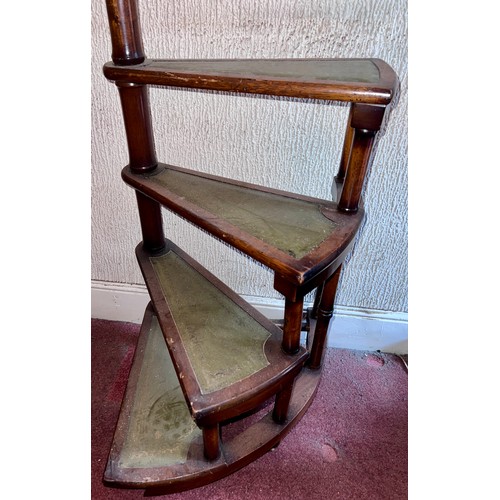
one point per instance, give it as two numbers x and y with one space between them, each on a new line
281 405
292 325
365 121
151 223
324 314
137 119
317 300
346 155
291 344
211 438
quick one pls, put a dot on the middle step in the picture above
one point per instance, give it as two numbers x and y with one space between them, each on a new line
227 355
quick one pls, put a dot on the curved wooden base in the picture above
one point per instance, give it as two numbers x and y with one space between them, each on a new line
195 470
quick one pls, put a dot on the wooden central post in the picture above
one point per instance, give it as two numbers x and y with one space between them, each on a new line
125 30
128 50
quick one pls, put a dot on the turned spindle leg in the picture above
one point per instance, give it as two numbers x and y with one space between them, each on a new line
317 300
291 344
324 314
364 122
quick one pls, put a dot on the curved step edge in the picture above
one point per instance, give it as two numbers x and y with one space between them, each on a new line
246 447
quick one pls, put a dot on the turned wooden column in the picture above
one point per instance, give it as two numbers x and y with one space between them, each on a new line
282 402
292 325
125 29
346 150
137 118
142 156
211 436
323 315
317 300
364 122
126 40
150 217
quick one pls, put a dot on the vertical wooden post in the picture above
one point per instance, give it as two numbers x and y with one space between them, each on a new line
365 121
292 325
325 312
124 26
137 118
153 236
344 160
282 403
317 300
126 40
211 442
346 150
291 345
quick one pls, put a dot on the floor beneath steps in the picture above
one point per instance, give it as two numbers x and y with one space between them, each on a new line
351 444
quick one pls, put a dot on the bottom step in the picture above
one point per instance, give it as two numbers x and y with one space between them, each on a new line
157 445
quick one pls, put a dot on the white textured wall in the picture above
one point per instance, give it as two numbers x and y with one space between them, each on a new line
280 143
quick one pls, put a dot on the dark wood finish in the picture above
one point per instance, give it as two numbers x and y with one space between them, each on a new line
365 122
292 325
317 299
212 408
239 451
299 272
136 116
125 32
280 412
127 46
299 265
323 316
293 292
211 442
358 164
151 222
367 116
265 76
347 148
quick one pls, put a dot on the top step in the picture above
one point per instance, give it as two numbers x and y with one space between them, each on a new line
370 81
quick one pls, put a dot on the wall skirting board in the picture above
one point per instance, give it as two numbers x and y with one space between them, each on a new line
350 328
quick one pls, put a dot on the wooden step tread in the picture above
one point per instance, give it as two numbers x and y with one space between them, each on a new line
156 442
294 235
228 357
357 80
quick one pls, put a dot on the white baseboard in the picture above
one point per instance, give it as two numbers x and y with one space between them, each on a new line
350 328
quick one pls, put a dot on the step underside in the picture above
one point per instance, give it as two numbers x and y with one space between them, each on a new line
227 356
296 236
157 443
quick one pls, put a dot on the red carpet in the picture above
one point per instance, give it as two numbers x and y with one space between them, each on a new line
351 444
